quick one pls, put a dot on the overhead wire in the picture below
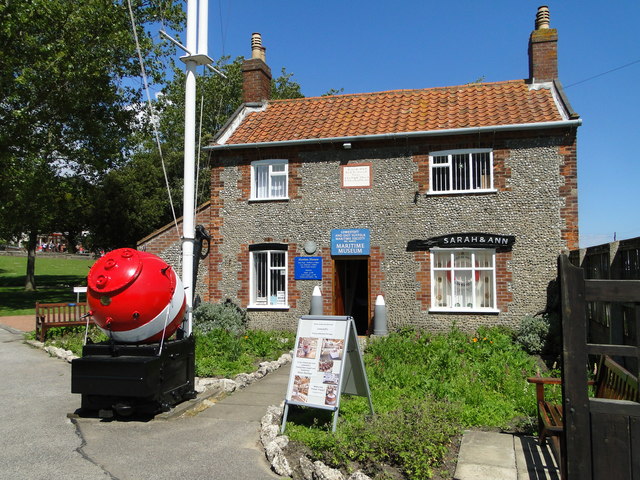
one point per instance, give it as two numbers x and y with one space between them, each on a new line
603 73
152 114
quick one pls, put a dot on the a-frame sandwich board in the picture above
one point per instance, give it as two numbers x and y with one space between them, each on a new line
326 363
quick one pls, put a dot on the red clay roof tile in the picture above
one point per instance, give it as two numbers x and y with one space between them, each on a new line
399 111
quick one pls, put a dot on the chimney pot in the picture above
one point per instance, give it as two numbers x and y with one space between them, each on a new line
257 50
542 17
256 74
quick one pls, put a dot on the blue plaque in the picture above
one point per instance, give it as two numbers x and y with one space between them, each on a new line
307 268
353 241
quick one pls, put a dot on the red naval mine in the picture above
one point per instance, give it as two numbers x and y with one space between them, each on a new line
135 296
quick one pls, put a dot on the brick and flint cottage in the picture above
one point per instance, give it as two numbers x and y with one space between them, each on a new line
453 203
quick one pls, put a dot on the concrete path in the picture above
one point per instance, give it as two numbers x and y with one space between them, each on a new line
38 441
501 456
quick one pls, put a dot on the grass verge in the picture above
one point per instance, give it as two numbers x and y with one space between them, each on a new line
55 279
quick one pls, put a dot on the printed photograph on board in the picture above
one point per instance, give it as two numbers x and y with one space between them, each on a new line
330 398
331 378
331 349
300 391
307 347
325 365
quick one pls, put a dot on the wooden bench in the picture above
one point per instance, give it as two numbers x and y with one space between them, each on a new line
49 315
612 382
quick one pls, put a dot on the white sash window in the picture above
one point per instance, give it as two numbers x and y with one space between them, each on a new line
268 279
269 179
459 171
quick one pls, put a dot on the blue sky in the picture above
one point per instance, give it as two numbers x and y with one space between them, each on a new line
382 45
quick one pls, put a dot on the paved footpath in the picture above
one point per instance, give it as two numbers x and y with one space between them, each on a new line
501 456
38 441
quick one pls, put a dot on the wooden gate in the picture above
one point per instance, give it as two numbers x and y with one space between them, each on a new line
601 438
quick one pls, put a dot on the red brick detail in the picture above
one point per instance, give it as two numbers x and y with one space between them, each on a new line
327 282
423 279
295 177
256 81
503 281
569 194
244 294
293 293
421 175
244 181
501 172
543 55
376 277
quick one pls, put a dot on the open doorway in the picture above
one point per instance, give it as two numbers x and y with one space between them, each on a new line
351 290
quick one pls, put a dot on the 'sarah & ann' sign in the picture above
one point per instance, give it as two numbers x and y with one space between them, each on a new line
464 240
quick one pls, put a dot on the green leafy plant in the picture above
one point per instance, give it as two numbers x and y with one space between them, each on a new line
72 338
220 353
532 334
425 388
227 316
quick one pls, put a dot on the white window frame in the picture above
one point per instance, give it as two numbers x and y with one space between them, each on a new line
485 184
264 302
451 270
271 175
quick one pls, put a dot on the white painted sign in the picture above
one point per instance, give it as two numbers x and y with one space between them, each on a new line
356 176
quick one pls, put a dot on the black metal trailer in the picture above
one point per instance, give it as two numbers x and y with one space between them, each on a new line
142 379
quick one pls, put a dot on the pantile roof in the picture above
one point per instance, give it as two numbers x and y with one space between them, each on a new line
399 111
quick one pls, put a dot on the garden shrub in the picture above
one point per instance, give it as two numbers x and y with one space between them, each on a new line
532 334
226 315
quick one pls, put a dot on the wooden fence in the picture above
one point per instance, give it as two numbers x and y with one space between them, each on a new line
601 437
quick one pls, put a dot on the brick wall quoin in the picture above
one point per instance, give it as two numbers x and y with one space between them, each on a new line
569 194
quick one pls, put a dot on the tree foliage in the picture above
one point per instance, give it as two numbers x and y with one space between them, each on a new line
137 190
67 105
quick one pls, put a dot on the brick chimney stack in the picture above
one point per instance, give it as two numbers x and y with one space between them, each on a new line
543 49
256 74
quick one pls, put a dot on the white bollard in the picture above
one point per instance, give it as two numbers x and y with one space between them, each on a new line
316 301
380 317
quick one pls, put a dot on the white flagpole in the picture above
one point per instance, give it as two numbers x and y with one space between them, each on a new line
188 221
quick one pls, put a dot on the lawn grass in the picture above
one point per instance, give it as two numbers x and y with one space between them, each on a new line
55 279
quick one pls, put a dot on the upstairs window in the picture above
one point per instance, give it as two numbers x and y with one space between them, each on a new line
268 276
456 171
269 179
463 280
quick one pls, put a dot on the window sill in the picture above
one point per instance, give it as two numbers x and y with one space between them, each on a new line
268 307
260 200
463 192
477 311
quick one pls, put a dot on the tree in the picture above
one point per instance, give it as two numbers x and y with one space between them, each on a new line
137 191
67 107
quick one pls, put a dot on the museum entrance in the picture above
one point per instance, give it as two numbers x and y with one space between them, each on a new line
351 290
